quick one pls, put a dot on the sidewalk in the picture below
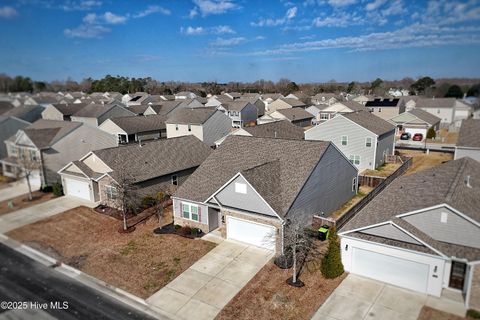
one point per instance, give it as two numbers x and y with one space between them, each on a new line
18 188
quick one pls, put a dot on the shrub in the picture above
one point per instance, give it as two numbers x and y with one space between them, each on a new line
148 201
160 196
57 189
195 232
431 134
332 266
46 189
473 314
177 226
185 231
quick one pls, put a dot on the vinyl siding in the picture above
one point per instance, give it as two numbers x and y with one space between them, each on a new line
249 113
51 113
177 211
464 152
9 128
327 189
110 127
384 147
387 113
90 121
197 130
216 127
456 230
445 114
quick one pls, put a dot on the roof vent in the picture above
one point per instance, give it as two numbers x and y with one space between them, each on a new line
467 181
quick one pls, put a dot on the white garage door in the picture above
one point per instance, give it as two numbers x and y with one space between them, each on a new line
77 188
416 130
400 272
260 235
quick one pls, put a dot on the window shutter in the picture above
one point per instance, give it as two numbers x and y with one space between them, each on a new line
179 209
199 214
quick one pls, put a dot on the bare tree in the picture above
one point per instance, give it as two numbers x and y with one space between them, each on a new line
126 195
27 166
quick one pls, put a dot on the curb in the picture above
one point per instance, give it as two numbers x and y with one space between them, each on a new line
85 279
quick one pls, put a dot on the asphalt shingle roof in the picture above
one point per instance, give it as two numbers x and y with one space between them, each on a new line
370 122
191 115
469 135
136 124
282 129
294 114
43 133
425 116
435 103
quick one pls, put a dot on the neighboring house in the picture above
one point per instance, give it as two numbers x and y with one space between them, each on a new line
296 116
410 102
364 138
282 129
314 111
61 112
138 110
5 106
415 121
468 144
422 232
250 187
151 167
8 127
40 100
330 111
29 113
386 108
240 112
362 99
325 99
96 114
207 124
450 110
136 128
284 103
299 96
164 108
185 95
53 144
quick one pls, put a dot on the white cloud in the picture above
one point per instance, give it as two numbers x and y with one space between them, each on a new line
8 12
221 42
374 5
71 5
340 19
86 31
212 7
112 18
194 31
222 29
151 10
394 8
193 13
341 3
94 25
289 15
191 31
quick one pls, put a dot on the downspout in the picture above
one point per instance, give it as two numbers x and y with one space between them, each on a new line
44 177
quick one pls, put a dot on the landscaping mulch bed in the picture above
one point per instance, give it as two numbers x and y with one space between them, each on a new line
139 262
22 201
186 232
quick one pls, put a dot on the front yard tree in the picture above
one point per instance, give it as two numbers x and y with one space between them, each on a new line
27 166
332 266
431 134
126 195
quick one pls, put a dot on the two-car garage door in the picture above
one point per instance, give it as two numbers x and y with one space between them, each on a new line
77 188
257 234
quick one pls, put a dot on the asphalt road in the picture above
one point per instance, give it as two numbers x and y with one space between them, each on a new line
25 280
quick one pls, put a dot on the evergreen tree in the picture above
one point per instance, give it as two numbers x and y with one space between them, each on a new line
332 266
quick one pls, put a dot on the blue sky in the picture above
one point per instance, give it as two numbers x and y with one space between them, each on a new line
240 40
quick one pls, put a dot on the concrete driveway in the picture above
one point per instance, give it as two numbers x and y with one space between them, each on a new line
361 298
209 284
38 212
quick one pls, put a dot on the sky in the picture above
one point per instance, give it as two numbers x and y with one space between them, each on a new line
240 40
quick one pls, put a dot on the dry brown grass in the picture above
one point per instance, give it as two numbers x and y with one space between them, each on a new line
428 313
362 192
383 171
22 201
422 161
268 296
140 262
445 136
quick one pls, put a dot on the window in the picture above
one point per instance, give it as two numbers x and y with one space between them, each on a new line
189 127
33 155
190 211
14 150
174 180
379 109
176 127
354 184
324 116
344 140
368 143
444 217
111 192
354 159
122 138
240 188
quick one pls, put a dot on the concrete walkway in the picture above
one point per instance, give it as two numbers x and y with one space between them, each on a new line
361 298
209 284
38 212
18 188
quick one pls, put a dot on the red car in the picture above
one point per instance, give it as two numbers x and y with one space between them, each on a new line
417 137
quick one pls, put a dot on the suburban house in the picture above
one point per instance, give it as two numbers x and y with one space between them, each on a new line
96 114
8 127
148 168
415 121
163 108
284 103
299 96
138 110
324 98
241 112
451 111
468 144
386 108
268 98
362 99
364 138
296 116
422 232
252 189
207 124
29 113
330 111
61 111
185 95
42 100
281 129
51 145
5 106
136 128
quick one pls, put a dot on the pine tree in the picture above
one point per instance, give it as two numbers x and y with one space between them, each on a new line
332 266
431 134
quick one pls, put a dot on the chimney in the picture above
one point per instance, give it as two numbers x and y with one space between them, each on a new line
467 181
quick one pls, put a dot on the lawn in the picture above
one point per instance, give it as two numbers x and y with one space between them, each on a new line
139 262
445 136
268 296
422 161
362 192
22 201
428 313
383 171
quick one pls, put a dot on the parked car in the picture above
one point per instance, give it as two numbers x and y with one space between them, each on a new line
406 136
417 137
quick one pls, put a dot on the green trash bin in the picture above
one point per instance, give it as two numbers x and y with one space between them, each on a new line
324 233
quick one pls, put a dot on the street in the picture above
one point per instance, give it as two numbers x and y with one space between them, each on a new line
25 280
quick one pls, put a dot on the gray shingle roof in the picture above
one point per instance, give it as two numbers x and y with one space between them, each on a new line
370 122
237 105
353 105
191 115
94 110
69 109
294 114
136 124
26 112
156 158
469 135
277 168
425 116
5 106
43 133
435 103
166 106
442 184
282 129
138 109
294 102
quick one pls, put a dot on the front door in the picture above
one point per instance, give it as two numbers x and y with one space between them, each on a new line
457 275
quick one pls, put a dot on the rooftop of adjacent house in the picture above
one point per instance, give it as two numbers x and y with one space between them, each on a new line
166 106
320 96
313 110
282 129
273 96
138 109
353 105
370 122
44 99
378 102
235 105
69 109
435 103
294 114
425 116
43 133
191 115
28 113
294 102
276 168
469 135
455 183
154 159
136 124
5 106
94 110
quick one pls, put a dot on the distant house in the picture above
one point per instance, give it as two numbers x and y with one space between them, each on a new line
185 95
5 106
139 98
468 144
325 99
415 121
207 124
422 233
362 99
53 144
139 110
8 127
29 113
386 108
298 96
61 112
152 167
313 110
163 108
330 111
282 129
364 138
241 112
136 128
42 100
450 110
296 116
284 103
96 114
250 187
